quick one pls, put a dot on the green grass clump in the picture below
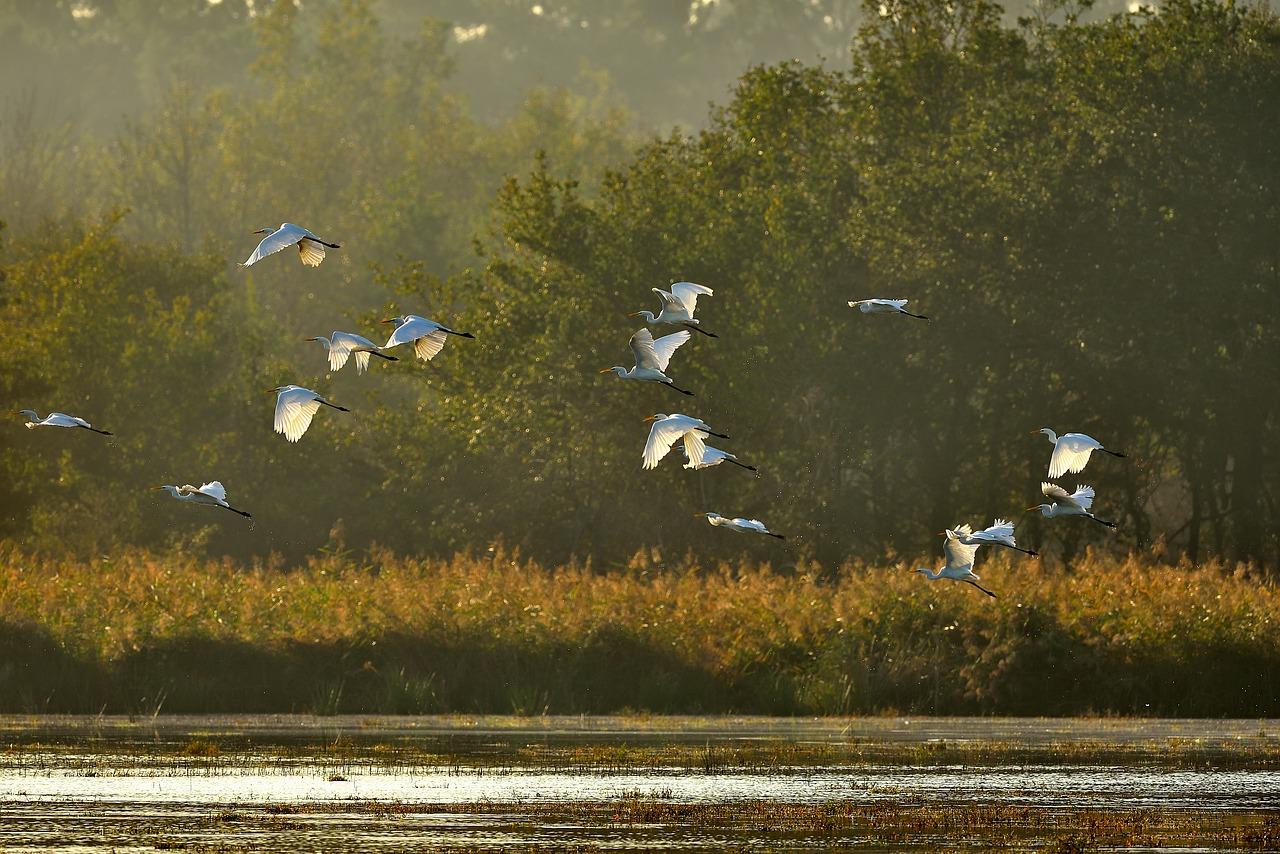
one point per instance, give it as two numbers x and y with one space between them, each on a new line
146 633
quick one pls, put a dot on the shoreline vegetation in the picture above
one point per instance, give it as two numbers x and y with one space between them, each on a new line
140 632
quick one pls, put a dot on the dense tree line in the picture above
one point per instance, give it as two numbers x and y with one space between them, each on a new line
1089 211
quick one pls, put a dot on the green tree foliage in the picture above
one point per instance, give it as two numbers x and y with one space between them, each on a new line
1088 210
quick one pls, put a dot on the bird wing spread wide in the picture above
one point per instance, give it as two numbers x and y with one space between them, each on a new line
214 489
1069 456
669 301
294 411
666 346
1055 493
687 293
694 448
753 524
641 345
1083 497
340 346
62 419
662 435
362 361
964 529
958 554
429 346
1001 531
281 238
411 329
311 251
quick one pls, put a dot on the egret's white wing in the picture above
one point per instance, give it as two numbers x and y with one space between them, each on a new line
963 529
687 293
428 346
214 490
294 411
312 252
1083 497
362 361
669 301
1068 457
340 346
667 345
694 447
662 435
958 554
282 238
753 524
641 345
1001 531
1055 493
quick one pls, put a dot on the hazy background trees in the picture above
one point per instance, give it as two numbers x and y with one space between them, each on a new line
1088 208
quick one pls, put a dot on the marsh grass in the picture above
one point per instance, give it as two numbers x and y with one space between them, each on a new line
142 633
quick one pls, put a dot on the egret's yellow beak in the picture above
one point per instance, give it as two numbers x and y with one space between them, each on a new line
942 533
1033 432
1029 509
269 391
633 314
698 515
154 488
606 370
388 320
649 419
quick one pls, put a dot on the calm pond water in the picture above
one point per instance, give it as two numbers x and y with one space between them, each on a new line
274 783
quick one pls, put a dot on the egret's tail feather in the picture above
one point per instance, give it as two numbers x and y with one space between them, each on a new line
1101 521
921 317
96 430
697 328
335 406
717 435
677 388
775 536
459 334
1113 453
382 355
742 465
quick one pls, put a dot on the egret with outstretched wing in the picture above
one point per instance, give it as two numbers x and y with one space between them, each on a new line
959 565
295 407
710 456
342 345
999 534
1078 503
739 525
883 306
678 306
652 358
56 419
427 336
212 494
1071 451
310 247
666 430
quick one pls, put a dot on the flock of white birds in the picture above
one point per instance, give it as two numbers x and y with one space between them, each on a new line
296 407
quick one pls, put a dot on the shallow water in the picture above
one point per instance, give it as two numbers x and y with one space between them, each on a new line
292 784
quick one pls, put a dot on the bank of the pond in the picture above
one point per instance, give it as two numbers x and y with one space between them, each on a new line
139 632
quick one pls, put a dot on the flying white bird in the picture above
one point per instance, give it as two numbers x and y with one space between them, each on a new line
341 345
208 495
959 566
883 306
739 526
652 358
666 430
56 419
678 306
1071 451
310 247
295 407
999 534
710 456
428 337
1068 503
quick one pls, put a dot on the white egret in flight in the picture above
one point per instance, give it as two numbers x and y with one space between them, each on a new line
208 495
56 419
652 358
678 306
1068 503
710 456
428 337
1071 451
666 430
739 525
883 306
310 247
999 534
959 565
295 407
341 345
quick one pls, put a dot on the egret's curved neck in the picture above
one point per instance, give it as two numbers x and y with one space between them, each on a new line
1050 435
323 340
649 317
31 415
621 371
933 574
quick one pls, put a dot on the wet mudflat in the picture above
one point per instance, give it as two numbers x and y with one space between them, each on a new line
273 783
